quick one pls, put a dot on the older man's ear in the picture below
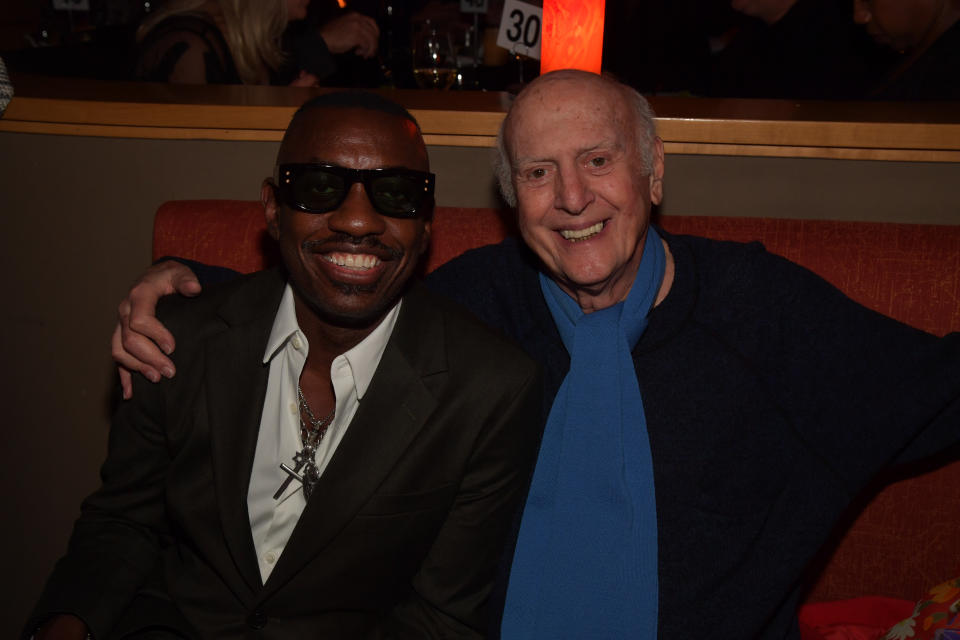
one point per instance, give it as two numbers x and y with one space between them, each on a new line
268 198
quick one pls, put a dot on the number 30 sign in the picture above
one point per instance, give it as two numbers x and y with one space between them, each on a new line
520 28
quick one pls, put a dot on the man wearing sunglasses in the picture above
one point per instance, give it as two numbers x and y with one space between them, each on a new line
342 452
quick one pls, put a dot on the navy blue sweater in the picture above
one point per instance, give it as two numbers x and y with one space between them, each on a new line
771 401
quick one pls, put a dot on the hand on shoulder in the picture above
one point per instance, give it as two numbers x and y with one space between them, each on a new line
140 343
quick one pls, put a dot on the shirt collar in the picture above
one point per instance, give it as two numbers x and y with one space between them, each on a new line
363 358
284 325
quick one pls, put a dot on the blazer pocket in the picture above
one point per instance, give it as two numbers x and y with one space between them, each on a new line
386 504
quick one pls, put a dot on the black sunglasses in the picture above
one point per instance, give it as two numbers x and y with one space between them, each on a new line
319 188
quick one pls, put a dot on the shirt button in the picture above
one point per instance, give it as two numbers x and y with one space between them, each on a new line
294 409
269 557
257 620
297 343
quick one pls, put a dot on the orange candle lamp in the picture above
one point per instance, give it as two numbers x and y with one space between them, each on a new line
572 35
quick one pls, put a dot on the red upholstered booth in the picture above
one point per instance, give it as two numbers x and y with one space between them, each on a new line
905 539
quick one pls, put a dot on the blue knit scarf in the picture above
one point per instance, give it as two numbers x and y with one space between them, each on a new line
585 565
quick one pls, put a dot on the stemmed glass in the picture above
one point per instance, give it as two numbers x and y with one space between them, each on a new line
434 61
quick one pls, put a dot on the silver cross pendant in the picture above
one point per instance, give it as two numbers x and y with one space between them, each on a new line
309 477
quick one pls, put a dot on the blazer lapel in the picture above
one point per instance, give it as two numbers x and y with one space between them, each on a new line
392 412
237 383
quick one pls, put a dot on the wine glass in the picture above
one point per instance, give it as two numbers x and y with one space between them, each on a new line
434 62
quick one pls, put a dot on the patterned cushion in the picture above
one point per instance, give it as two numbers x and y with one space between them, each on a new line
936 616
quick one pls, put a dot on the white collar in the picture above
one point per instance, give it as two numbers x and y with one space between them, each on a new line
362 358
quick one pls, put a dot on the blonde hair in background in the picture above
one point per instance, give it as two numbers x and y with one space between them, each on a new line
252 29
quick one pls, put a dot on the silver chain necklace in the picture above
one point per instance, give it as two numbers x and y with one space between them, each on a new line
311 433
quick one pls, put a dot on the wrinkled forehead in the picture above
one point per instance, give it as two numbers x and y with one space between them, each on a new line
356 136
568 109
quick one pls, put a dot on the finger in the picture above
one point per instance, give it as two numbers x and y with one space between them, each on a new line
167 277
123 310
144 325
126 380
185 282
141 354
126 383
128 363
139 338
142 319
131 365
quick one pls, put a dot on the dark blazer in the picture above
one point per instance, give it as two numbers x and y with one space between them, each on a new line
404 530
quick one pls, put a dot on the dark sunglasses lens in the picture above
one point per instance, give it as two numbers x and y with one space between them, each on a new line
397 195
318 190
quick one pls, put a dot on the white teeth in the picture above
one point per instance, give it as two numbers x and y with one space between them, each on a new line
352 260
581 234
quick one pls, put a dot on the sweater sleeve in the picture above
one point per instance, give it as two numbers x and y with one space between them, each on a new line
861 389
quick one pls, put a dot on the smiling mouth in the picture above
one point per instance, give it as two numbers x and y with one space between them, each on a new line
579 235
354 261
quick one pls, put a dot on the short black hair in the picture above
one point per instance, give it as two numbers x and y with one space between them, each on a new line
356 99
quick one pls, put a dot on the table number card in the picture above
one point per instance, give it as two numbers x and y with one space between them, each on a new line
520 28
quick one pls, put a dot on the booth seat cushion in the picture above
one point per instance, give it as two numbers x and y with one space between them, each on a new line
866 618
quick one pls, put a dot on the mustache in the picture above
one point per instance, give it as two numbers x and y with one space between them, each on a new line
369 242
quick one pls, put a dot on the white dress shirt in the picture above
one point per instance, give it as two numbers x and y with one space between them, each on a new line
272 521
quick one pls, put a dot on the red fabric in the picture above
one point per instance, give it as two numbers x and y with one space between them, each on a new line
456 230
866 618
910 272
897 547
229 233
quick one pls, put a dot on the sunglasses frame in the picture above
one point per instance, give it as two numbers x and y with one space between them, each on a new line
288 173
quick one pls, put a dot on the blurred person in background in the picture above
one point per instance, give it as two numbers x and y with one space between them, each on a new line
339 45
240 41
794 49
926 34
658 46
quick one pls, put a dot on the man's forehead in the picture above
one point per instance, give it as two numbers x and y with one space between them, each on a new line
590 119
558 92
323 133
331 122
